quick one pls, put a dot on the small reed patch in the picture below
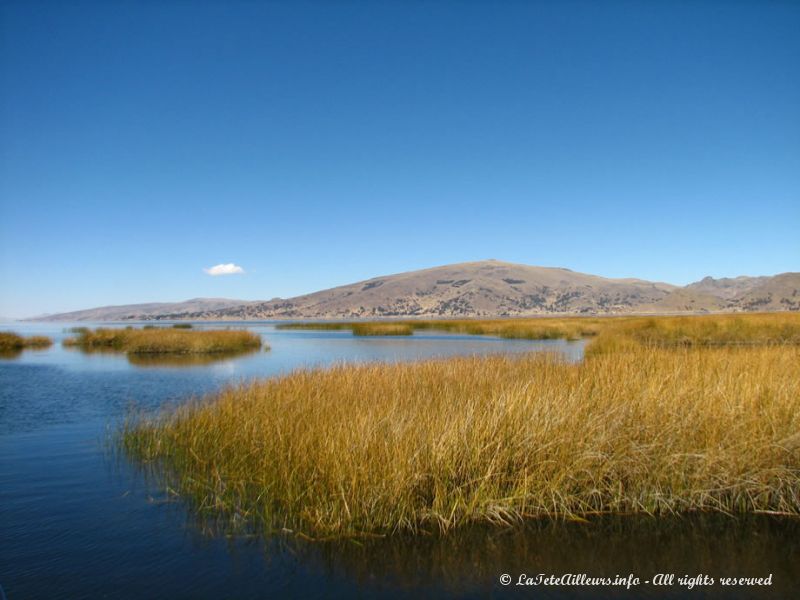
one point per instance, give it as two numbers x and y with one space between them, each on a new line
365 329
12 342
165 340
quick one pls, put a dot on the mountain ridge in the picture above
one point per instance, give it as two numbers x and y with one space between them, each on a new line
488 288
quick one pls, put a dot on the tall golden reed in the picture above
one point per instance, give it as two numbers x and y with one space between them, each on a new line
438 444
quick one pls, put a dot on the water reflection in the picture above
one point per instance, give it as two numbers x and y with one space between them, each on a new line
184 360
13 354
157 360
469 562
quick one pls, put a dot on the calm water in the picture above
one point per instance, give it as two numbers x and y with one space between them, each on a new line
78 521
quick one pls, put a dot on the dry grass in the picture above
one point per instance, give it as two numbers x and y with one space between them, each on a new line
438 444
166 340
12 342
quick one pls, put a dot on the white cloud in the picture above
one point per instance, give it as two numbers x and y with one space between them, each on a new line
225 269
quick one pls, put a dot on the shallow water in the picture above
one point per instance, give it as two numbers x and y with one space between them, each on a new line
78 521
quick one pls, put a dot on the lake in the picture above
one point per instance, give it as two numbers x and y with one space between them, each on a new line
78 520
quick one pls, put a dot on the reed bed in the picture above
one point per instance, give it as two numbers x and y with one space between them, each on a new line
181 361
381 448
365 328
702 331
752 328
321 325
13 342
533 329
166 340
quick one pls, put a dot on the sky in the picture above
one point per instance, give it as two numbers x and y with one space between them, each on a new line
160 151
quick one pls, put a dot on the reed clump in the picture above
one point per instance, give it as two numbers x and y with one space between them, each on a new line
531 329
13 342
166 340
380 448
366 329
77 330
321 325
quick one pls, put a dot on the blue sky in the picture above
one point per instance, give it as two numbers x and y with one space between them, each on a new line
316 144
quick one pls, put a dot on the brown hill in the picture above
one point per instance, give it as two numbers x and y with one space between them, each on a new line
483 289
728 288
781 292
150 310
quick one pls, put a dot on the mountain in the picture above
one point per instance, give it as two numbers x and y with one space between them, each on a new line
781 292
686 300
154 310
486 288
481 289
728 288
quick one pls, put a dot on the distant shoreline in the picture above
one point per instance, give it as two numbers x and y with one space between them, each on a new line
485 289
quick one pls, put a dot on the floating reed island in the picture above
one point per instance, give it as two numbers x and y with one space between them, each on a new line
663 421
165 341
